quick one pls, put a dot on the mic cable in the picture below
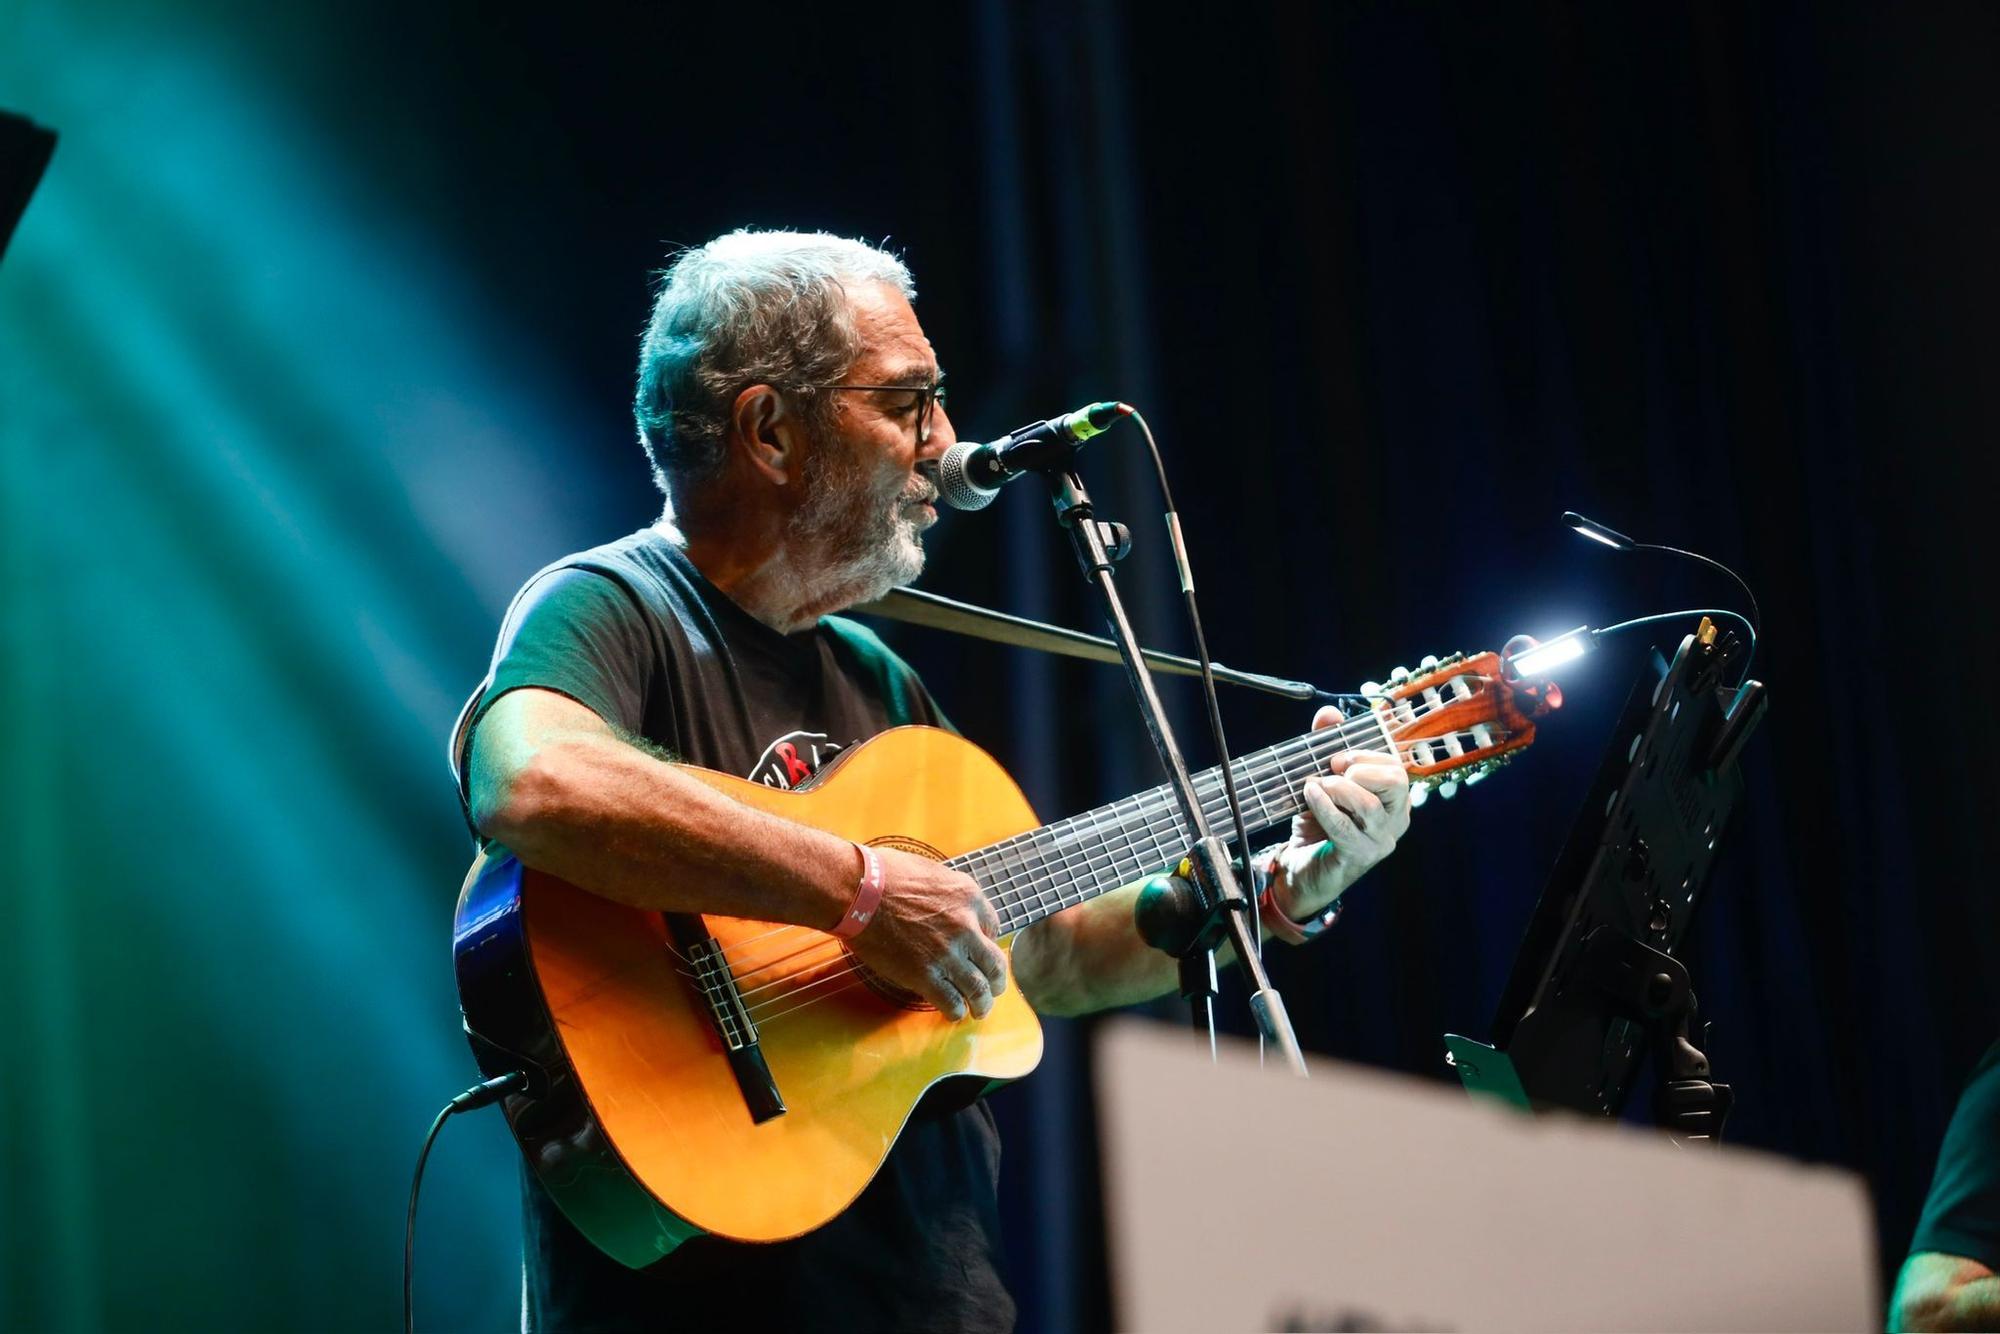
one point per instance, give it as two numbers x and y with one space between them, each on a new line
1185 571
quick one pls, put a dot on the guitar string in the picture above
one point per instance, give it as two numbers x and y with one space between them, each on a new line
771 1019
1099 856
762 1011
1159 818
1095 863
1109 819
1084 867
1360 723
996 853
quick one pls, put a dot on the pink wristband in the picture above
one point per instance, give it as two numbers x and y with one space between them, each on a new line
1275 919
862 911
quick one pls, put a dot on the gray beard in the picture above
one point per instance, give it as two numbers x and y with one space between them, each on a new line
858 546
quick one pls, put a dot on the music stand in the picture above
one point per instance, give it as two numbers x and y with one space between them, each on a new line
1596 981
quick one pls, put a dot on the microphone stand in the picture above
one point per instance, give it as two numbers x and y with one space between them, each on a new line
1230 913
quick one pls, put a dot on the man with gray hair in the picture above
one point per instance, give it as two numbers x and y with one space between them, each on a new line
791 406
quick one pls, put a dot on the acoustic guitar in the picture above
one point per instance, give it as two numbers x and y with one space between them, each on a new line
697 1074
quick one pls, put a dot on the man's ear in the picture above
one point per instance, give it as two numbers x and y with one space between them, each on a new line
769 434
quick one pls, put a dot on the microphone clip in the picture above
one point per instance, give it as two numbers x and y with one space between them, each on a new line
1116 537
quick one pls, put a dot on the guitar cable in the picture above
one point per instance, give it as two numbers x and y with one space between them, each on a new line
479 1095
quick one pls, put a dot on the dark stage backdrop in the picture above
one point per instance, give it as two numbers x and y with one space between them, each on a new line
318 339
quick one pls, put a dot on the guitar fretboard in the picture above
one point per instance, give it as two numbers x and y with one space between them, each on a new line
1033 875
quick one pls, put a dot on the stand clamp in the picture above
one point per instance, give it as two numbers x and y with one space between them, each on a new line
1652 988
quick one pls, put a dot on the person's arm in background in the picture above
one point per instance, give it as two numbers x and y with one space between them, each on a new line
1948 1281
1945 1292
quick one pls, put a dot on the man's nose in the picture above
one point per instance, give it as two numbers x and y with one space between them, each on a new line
942 435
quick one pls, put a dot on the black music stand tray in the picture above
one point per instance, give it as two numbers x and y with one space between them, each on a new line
1596 980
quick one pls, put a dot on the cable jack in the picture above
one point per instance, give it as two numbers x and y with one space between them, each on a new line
479 1095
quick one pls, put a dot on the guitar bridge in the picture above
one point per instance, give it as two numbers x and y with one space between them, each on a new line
727 1014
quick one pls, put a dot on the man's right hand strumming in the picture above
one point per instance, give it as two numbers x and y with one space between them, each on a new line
934 935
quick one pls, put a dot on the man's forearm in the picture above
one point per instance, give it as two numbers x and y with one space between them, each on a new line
614 820
1091 957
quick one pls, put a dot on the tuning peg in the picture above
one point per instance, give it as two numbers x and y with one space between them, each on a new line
1371 688
1477 775
1448 789
1399 675
1429 663
1419 794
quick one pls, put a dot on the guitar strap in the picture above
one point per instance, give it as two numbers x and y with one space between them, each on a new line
933 612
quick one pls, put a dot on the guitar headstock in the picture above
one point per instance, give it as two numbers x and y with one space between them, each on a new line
1455 720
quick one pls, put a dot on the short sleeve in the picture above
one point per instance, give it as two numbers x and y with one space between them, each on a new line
577 633
1962 1214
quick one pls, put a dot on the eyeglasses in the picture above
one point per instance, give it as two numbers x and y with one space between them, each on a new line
927 396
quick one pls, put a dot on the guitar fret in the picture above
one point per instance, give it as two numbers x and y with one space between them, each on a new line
1067 848
1257 788
1084 886
1133 857
1038 873
1021 875
982 864
1044 881
1163 846
991 866
1027 882
1126 862
1092 851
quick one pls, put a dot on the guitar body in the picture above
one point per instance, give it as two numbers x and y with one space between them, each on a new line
636 1122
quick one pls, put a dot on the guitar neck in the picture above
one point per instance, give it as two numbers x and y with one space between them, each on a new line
1034 875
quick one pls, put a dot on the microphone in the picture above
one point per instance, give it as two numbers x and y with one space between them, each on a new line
968 476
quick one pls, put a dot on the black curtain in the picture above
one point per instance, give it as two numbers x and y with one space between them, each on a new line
1414 279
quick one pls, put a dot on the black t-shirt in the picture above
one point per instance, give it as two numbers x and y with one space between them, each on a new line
1962 1214
635 633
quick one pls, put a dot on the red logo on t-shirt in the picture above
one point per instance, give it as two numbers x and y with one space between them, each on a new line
796 769
793 758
